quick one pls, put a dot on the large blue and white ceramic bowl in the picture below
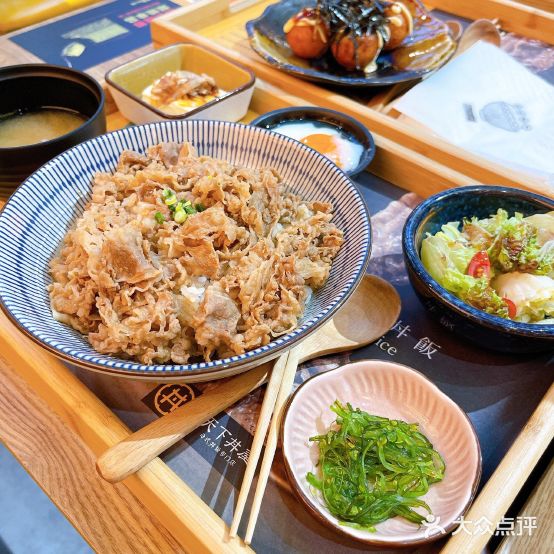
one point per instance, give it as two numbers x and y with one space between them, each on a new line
38 215
489 331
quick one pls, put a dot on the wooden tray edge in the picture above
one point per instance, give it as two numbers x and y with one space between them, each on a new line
514 17
509 477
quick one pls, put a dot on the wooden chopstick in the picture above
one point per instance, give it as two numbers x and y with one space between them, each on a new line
287 383
264 419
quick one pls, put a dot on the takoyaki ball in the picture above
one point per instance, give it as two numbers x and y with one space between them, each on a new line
357 52
400 24
307 34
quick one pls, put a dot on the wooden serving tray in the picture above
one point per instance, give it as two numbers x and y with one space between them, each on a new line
220 26
187 518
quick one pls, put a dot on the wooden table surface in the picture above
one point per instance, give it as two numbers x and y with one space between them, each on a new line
110 518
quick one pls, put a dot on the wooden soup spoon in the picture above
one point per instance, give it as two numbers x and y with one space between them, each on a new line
370 312
481 29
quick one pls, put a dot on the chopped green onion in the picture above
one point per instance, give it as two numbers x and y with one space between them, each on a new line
159 217
181 208
180 216
169 197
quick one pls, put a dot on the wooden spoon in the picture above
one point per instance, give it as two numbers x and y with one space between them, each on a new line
370 312
455 28
481 29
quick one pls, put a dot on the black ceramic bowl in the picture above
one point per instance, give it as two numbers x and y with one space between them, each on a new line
487 330
343 122
33 86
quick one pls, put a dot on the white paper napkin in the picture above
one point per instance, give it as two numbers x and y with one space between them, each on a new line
490 104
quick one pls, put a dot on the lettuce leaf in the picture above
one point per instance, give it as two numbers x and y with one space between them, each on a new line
516 246
476 292
445 250
538 260
511 237
492 225
446 256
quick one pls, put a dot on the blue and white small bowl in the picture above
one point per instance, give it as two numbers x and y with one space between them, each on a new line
38 215
487 330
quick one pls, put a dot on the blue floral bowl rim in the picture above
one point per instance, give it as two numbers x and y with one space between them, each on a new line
197 369
411 227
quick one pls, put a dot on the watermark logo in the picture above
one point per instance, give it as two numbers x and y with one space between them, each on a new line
432 526
507 526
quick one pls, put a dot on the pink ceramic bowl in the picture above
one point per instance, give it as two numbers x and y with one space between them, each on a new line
398 392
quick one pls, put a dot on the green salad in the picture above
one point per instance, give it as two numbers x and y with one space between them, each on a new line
501 265
372 468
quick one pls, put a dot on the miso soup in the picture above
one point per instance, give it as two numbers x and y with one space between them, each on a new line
31 127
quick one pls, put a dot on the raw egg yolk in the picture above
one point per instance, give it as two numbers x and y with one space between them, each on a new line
328 145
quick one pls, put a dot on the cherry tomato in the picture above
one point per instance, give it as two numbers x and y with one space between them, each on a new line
512 309
480 265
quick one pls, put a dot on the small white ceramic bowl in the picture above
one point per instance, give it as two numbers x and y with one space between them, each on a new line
127 81
398 392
